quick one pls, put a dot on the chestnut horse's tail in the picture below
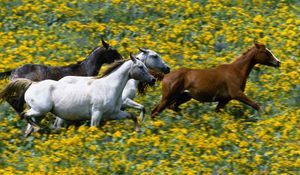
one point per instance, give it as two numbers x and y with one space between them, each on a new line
14 92
5 74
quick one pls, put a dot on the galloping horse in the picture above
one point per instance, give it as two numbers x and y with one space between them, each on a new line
97 99
37 72
151 59
220 84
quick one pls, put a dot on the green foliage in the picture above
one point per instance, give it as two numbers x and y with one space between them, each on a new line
198 34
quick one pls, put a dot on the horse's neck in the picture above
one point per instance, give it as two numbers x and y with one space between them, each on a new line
93 63
245 63
142 57
118 79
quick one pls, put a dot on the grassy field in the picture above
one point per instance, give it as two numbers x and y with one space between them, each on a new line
198 34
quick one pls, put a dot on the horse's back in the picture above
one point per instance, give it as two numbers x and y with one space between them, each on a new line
75 79
34 72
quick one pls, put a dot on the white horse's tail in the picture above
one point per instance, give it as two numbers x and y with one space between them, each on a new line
15 89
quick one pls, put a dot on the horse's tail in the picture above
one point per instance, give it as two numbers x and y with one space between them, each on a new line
5 74
15 89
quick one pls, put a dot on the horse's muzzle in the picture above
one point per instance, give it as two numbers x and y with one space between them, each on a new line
277 64
152 81
167 70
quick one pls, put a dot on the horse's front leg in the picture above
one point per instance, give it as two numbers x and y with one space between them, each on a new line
123 114
96 118
240 96
130 103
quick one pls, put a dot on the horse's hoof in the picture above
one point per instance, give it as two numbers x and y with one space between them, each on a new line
28 133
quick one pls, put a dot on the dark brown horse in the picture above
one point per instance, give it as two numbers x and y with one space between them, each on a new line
37 72
221 84
88 67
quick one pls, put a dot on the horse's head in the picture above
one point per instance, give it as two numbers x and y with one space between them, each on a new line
140 72
153 60
264 56
109 54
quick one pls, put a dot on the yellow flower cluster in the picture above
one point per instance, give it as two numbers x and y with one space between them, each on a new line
196 34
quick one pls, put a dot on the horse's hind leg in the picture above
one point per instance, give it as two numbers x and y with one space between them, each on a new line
182 98
30 129
37 117
32 113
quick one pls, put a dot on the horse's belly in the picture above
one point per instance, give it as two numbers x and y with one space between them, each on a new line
210 96
73 112
72 105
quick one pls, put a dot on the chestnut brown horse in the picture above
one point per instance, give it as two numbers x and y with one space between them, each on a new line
220 84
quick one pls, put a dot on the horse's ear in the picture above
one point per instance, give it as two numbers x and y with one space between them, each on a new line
132 58
143 50
105 44
257 45
260 46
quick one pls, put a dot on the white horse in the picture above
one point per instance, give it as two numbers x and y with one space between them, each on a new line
150 58
93 100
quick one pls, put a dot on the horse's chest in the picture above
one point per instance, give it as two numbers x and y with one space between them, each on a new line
107 102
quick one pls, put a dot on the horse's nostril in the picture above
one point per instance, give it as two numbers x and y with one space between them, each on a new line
152 82
167 70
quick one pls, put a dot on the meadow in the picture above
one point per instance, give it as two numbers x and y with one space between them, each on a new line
195 34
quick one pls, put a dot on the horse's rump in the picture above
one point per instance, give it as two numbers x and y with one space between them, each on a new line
15 89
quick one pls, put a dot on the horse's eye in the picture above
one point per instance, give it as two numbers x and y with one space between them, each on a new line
155 56
141 67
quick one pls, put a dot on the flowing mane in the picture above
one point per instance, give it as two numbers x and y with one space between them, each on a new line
98 47
112 67
142 86
248 50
